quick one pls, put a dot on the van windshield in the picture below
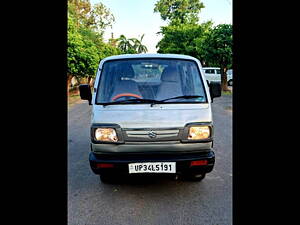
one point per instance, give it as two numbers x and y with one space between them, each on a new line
150 79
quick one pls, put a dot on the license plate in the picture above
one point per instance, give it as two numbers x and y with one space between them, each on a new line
152 167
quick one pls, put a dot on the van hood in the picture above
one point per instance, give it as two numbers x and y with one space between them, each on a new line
157 116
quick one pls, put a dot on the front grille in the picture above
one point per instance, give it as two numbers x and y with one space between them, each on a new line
159 133
151 135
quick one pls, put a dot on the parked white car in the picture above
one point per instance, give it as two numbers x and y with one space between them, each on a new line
214 74
229 77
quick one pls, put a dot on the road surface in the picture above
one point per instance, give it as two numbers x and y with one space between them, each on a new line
149 201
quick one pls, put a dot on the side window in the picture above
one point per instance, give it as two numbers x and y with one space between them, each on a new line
218 71
198 87
96 79
191 81
186 81
210 71
106 82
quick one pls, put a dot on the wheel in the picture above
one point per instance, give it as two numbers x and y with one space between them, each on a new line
195 177
230 82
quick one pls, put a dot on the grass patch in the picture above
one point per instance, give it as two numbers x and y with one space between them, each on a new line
226 92
228 108
73 97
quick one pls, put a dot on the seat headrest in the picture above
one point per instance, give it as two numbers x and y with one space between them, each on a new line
126 71
170 74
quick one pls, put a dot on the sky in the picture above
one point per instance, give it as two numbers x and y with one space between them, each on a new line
136 17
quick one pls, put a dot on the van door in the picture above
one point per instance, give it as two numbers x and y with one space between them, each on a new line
209 74
217 75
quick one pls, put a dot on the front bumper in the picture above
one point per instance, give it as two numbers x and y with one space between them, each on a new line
182 159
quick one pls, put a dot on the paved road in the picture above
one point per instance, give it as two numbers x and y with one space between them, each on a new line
149 201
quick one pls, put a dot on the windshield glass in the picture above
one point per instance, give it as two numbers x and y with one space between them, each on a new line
151 79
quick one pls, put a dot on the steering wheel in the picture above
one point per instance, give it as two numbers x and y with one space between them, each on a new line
125 95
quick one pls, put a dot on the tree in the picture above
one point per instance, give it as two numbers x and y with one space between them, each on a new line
75 44
79 10
124 44
138 46
131 45
216 49
82 54
85 38
181 39
96 17
100 17
107 49
180 35
179 11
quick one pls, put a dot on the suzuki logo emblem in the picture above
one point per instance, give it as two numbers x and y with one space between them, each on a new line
152 134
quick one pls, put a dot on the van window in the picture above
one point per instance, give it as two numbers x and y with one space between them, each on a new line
210 71
156 79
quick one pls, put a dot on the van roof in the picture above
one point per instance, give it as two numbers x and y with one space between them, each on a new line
143 55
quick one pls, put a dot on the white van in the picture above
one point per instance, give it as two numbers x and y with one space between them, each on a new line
230 77
151 114
214 74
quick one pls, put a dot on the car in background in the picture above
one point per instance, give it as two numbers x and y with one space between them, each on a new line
229 77
212 74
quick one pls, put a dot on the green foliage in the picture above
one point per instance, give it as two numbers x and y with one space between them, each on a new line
85 37
96 17
138 46
75 44
108 50
100 18
183 32
216 47
124 44
131 45
183 35
181 39
179 11
86 25
82 52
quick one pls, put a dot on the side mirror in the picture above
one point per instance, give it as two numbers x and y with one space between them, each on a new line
85 92
214 89
207 83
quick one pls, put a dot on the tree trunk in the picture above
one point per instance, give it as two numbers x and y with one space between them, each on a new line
69 82
92 82
89 80
224 79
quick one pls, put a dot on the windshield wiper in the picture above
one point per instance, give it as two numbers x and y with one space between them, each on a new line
183 96
152 101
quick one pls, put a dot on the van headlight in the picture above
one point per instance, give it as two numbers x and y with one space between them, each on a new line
106 134
199 132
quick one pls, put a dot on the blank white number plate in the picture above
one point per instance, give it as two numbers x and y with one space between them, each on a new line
152 167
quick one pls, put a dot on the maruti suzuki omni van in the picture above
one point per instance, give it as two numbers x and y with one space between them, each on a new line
151 113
